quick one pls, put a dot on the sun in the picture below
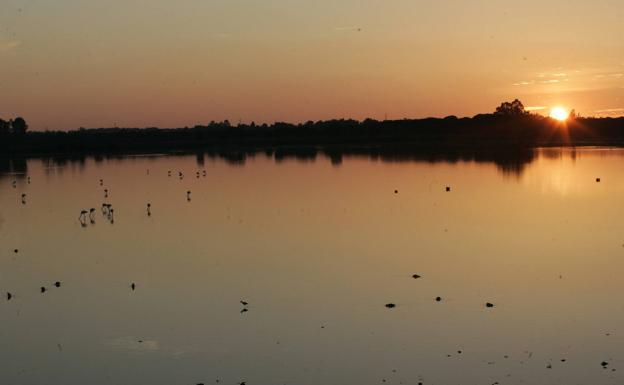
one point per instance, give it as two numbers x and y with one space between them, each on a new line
559 113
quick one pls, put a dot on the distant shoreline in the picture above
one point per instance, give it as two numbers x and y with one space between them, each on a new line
450 134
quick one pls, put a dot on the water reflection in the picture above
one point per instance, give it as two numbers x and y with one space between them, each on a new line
315 251
511 161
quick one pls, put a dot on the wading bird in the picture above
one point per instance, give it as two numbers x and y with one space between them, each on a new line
83 217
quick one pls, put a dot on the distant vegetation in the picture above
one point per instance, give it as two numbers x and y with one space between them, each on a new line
509 125
16 126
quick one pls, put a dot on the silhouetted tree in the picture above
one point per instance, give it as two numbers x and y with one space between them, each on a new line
5 127
515 108
19 126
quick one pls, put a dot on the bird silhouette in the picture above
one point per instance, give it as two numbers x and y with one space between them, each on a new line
245 303
133 286
57 284
43 289
9 296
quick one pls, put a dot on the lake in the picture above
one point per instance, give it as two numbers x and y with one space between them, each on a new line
317 248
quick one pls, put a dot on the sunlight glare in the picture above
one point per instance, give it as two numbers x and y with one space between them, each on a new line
559 113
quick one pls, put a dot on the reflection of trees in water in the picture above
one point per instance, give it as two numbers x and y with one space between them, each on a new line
16 167
510 160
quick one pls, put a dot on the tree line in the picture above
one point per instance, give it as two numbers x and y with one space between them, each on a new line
509 125
15 126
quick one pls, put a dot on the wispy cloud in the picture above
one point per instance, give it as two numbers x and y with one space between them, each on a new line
536 108
610 111
561 79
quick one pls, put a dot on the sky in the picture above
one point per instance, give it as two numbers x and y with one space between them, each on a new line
66 64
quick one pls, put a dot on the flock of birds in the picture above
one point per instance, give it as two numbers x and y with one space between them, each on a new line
88 216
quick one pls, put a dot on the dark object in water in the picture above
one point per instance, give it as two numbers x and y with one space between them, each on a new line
43 289
57 284
416 276
245 303
390 305
244 310
604 364
489 304
438 299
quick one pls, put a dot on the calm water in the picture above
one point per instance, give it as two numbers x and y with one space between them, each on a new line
317 249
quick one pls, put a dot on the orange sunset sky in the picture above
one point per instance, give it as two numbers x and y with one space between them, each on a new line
99 63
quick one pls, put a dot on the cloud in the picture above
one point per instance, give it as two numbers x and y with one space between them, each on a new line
611 111
6 46
572 79
347 29
536 108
